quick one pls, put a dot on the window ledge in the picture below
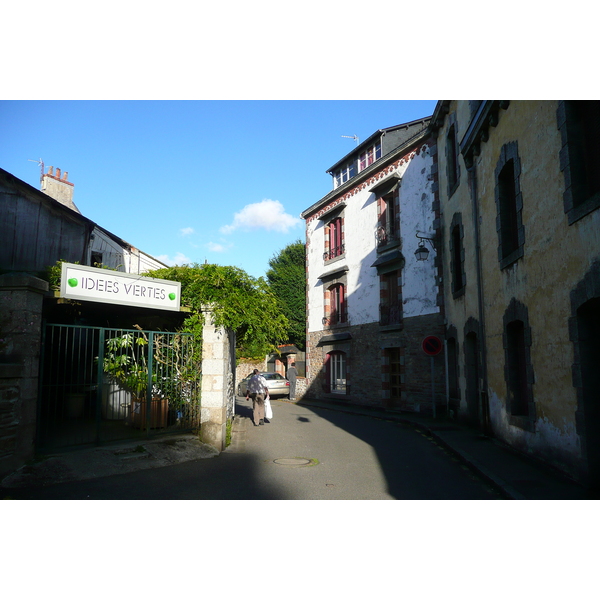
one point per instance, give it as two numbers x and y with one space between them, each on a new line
453 188
329 261
385 247
583 209
511 258
459 293
336 326
392 327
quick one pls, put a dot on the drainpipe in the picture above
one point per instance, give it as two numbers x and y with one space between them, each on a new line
483 344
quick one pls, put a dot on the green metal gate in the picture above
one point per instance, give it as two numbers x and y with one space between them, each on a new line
100 385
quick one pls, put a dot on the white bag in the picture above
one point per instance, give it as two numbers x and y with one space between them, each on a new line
268 409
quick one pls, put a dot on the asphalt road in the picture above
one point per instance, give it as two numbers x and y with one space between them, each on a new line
302 454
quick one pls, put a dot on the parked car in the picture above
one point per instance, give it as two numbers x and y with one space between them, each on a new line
278 385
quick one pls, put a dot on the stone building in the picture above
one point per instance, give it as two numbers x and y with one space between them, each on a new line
519 191
370 301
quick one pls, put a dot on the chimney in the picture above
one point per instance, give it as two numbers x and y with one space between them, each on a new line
59 189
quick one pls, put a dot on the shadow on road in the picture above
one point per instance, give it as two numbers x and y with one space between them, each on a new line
414 467
226 477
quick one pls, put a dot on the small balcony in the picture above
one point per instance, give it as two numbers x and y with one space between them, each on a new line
335 319
385 237
334 252
390 314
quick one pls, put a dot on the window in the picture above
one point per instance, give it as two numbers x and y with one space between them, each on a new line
452 160
335 305
96 258
508 209
457 256
344 174
579 124
388 219
334 236
336 372
518 372
390 309
584 332
509 206
453 372
368 157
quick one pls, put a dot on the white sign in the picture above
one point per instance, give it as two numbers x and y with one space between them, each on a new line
102 285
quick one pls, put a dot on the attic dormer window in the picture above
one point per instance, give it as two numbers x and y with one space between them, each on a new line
344 173
369 156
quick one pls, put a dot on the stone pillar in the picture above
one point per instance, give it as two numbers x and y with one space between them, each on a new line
21 299
216 382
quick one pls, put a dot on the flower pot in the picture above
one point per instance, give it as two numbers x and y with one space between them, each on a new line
159 409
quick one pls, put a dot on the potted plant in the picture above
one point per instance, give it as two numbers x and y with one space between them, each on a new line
126 363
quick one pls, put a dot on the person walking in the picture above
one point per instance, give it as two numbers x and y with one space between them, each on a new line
257 390
292 373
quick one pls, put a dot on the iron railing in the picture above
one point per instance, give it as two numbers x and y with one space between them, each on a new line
390 314
384 236
335 318
334 252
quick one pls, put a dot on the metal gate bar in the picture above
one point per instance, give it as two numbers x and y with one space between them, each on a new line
100 384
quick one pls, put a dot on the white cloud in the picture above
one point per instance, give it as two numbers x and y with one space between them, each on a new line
178 259
214 247
268 214
186 231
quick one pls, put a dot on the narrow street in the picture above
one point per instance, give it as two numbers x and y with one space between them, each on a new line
302 454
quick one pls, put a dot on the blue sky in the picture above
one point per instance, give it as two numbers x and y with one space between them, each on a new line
189 181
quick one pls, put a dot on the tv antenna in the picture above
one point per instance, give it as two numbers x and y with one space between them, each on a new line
352 137
40 162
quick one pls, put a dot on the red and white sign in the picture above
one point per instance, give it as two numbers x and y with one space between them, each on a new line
432 345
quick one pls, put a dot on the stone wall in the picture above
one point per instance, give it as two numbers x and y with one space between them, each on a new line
21 299
246 367
367 369
218 394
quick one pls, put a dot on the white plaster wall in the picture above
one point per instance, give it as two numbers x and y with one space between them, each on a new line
419 285
561 438
419 288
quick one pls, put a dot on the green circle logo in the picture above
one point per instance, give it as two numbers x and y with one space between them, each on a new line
72 282
172 296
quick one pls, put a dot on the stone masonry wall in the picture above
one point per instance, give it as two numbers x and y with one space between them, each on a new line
20 334
367 372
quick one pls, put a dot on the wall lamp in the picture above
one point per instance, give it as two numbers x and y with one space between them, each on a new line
422 252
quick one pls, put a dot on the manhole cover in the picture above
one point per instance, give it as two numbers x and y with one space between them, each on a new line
294 462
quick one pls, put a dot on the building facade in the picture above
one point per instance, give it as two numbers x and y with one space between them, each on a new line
39 228
370 302
519 192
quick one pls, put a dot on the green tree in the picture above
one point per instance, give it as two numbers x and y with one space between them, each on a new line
238 302
287 280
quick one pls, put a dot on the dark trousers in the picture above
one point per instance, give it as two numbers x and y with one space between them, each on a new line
258 407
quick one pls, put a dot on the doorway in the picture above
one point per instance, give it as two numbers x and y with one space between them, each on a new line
588 329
